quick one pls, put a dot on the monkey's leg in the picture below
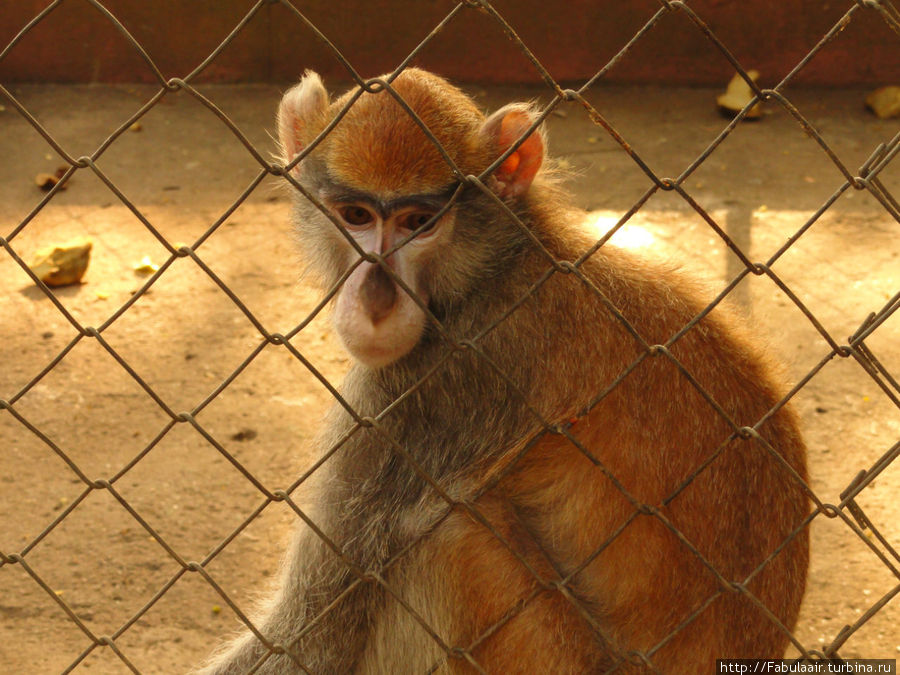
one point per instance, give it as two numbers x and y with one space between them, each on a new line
484 595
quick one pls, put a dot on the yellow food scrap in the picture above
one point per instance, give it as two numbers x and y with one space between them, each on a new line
737 95
62 265
47 181
884 102
146 266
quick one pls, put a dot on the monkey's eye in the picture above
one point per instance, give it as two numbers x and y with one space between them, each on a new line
356 215
416 219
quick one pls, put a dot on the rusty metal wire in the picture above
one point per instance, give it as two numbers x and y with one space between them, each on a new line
848 510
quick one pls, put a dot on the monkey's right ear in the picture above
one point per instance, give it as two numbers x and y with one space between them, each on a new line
503 129
301 115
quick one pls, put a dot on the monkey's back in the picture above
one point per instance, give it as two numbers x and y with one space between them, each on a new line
679 498
656 524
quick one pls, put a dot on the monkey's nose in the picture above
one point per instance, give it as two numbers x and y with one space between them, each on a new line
378 294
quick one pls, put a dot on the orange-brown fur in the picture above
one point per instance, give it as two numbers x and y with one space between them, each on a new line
555 554
379 147
651 432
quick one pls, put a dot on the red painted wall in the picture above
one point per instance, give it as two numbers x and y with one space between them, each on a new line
573 39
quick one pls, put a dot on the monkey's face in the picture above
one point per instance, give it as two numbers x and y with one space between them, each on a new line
382 230
379 312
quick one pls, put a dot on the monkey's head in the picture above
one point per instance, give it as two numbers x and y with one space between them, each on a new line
384 182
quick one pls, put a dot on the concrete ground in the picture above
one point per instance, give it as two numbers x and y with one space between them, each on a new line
90 565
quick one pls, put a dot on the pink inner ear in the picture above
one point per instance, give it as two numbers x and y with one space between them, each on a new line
512 126
296 143
518 171
508 168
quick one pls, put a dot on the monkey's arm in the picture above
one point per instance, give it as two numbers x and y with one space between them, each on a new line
297 621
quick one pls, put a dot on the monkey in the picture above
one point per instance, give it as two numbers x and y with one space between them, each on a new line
548 456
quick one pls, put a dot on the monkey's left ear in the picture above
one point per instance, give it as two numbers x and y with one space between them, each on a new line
503 129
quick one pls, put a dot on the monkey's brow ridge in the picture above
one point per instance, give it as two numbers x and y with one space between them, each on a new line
337 192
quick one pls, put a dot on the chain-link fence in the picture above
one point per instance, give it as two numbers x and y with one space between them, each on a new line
157 422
